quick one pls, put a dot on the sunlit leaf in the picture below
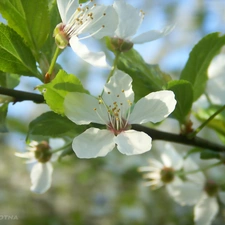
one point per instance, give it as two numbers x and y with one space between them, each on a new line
217 124
195 70
9 80
29 18
49 45
15 56
55 92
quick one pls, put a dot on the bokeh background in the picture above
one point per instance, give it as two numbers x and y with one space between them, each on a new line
107 190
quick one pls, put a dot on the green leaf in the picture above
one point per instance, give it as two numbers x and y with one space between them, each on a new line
49 47
9 80
195 70
146 78
15 56
217 124
29 18
208 154
184 95
55 92
3 114
52 125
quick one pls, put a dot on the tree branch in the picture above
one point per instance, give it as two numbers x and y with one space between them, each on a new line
20 96
178 138
154 134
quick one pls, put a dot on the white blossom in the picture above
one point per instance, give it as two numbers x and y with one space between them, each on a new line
39 156
207 206
215 84
130 20
184 189
81 21
115 108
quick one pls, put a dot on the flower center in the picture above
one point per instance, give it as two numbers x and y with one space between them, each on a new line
167 174
211 188
42 153
117 113
82 18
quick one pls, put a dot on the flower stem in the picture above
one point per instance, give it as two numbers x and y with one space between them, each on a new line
193 134
69 144
52 65
114 65
199 170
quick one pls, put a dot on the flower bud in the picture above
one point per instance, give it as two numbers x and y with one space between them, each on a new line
118 44
61 38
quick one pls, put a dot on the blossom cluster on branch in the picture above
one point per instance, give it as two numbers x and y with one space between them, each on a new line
136 99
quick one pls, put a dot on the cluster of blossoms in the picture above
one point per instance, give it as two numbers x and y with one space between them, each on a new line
185 184
116 110
120 22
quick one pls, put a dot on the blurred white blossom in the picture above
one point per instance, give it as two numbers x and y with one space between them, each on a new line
170 171
40 156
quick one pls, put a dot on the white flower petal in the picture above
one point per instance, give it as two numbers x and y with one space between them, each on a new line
25 155
79 107
104 22
222 196
151 35
184 193
67 9
153 107
119 90
171 158
129 19
215 89
205 210
56 143
155 163
132 142
41 177
93 143
94 58
198 177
